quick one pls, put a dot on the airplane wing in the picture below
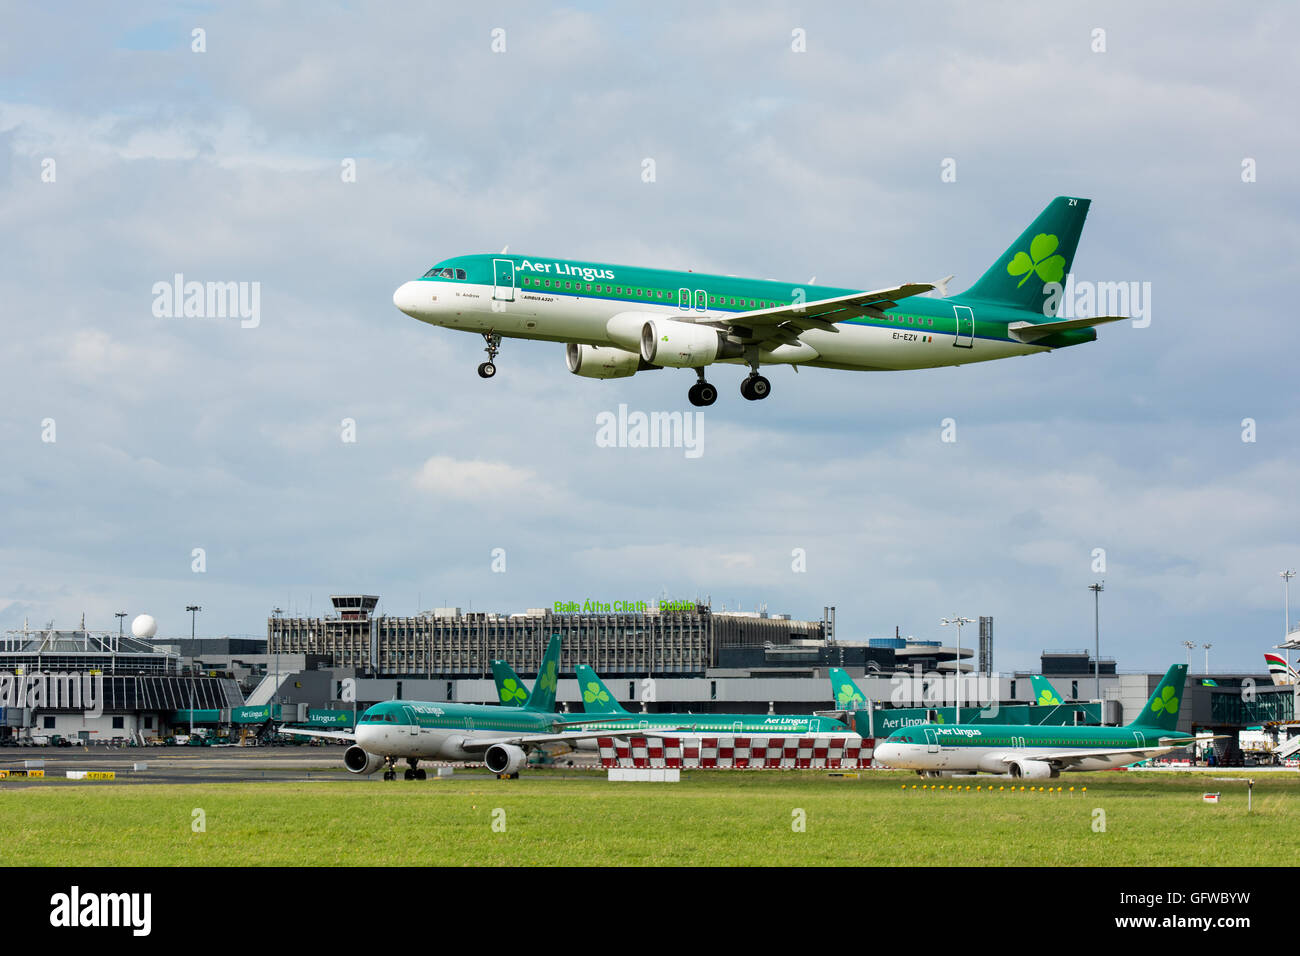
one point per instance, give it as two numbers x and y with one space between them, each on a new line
782 324
527 741
1066 759
323 734
1032 331
597 719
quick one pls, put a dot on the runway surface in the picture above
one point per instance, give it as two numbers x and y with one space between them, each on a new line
188 765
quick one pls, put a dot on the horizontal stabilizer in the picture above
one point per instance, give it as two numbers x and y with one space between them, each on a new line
1032 331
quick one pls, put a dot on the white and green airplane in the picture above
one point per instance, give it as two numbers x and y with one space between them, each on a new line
1045 694
1035 751
619 320
500 736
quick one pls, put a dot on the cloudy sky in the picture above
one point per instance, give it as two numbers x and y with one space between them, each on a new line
127 157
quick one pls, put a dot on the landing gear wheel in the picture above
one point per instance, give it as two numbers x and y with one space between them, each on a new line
493 340
702 394
755 388
390 774
409 774
420 774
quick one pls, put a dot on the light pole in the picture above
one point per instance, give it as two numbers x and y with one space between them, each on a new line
959 621
1207 658
1286 628
1096 590
193 609
1191 646
120 615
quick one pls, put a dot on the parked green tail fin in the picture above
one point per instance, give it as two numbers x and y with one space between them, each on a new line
596 697
1044 693
510 689
543 695
846 692
1161 711
1042 254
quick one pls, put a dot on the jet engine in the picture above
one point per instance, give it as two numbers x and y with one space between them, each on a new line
1033 769
361 761
674 344
504 758
591 361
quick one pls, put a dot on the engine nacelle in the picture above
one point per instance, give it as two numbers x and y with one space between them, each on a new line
1032 769
589 361
674 344
358 760
504 758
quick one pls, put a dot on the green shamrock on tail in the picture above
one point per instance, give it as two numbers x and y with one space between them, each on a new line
593 693
511 691
547 680
1167 702
1047 697
1050 268
847 695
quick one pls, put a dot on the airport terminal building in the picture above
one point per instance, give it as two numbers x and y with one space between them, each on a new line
448 643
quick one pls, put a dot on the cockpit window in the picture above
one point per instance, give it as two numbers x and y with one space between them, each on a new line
445 272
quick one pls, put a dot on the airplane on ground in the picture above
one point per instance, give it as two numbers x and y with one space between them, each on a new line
1045 694
617 320
1037 752
1283 674
597 700
500 736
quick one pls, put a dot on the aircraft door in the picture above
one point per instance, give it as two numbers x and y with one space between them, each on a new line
503 280
965 326
684 300
414 727
931 742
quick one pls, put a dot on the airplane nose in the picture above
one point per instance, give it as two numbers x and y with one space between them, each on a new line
408 298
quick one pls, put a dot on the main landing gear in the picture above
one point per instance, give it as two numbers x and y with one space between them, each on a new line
755 387
488 368
702 393
413 771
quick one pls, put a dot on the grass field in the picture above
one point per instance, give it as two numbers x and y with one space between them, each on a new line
732 819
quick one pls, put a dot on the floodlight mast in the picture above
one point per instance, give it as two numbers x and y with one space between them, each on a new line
958 620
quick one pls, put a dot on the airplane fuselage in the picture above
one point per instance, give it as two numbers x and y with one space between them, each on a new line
993 748
434 730
605 305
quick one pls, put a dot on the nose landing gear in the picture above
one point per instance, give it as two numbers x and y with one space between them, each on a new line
493 340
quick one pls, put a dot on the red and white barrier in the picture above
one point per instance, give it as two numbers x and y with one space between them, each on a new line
768 752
